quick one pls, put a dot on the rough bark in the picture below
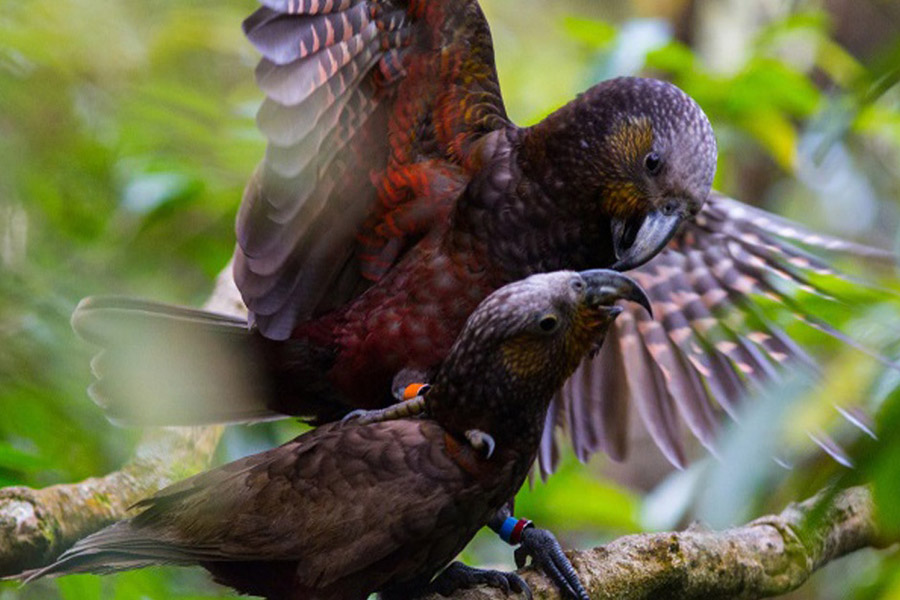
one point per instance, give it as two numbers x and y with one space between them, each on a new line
767 557
37 525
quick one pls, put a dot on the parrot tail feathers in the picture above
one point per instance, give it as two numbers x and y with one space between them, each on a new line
169 365
119 547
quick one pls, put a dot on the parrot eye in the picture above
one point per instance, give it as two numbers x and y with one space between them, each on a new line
653 162
578 285
548 323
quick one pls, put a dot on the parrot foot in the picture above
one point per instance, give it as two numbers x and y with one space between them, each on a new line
547 555
459 576
481 441
400 410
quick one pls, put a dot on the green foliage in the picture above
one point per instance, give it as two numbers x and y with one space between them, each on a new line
126 136
560 503
880 465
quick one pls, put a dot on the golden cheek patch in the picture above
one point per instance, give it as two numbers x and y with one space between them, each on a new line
529 355
526 355
631 140
622 198
628 143
586 325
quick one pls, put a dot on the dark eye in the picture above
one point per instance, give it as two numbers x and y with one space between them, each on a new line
653 163
578 285
548 323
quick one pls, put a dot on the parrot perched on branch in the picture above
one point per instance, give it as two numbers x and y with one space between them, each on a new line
396 194
349 508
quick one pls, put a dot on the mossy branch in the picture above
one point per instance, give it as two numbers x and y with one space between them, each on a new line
767 557
37 525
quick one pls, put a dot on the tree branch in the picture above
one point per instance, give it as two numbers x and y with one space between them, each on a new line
767 557
37 525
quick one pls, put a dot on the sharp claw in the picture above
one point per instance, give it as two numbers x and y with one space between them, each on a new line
521 557
515 583
569 574
503 583
550 570
547 555
353 414
520 585
460 576
481 441
489 441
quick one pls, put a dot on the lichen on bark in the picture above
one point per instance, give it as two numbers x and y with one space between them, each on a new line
767 557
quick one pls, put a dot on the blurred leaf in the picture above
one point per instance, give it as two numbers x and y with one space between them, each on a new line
80 587
884 466
573 499
776 133
146 193
596 34
18 460
751 454
839 64
674 58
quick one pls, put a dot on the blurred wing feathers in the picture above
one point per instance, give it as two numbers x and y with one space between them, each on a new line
647 388
359 94
717 291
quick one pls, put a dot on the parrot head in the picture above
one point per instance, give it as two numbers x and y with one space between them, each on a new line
522 343
638 154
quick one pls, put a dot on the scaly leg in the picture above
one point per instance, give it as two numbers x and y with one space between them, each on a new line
409 391
401 410
544 550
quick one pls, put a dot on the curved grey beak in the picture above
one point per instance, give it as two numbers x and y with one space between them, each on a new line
637 242
604 287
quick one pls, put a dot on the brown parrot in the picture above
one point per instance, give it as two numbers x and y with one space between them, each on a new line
352 508
395 195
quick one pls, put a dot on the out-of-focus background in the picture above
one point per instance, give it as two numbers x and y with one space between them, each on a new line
126 135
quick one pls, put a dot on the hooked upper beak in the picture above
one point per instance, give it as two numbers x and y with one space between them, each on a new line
604 287
635 242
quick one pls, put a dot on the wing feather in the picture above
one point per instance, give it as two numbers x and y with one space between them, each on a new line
356 90
651 398
713 337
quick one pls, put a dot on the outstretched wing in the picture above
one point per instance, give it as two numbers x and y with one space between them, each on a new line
371 109
711 337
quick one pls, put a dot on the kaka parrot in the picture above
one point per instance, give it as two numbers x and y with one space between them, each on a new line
352 508
395 195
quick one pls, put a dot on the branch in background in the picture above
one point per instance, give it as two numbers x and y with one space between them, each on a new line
767 557
38 525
